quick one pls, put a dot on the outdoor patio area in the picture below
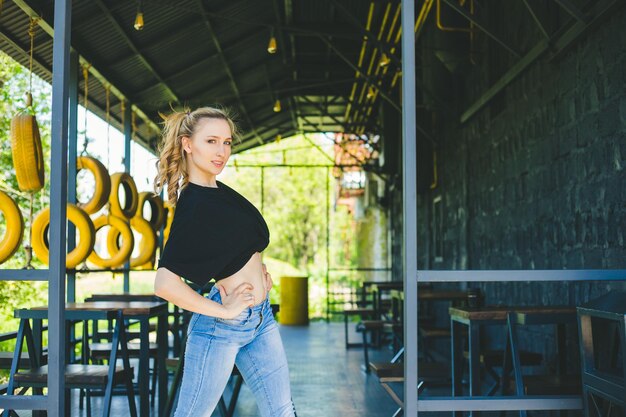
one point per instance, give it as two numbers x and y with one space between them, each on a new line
327 380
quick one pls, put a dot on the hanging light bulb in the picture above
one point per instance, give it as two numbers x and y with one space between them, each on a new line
139 17
371 92
272 47
277 108
384 60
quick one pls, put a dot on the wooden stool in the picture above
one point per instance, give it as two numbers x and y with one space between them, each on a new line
361 312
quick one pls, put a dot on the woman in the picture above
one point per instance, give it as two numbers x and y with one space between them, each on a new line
217 233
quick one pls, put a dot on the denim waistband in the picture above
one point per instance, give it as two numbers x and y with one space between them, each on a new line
214 295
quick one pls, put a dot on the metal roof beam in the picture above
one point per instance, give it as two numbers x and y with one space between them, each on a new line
312 30
233 83
325 112
368 35
14 43
249 143
118 28
572 10
369 79
219 82
480 25
177 34
263 91
542 29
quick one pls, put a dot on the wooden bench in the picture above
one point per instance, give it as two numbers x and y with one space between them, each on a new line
76 376
6 358
491 359
428 372
379 326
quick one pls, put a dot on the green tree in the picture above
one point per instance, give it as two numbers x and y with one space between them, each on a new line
294 206
14 80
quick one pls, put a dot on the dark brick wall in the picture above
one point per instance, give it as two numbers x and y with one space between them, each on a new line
541 182
537 178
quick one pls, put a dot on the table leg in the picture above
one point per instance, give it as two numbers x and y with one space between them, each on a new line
474 361
457 365
144 371
161 356
560 349
517 366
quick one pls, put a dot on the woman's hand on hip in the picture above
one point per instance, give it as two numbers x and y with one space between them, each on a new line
239 299
267 279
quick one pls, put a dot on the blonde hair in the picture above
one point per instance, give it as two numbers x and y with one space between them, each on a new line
172 165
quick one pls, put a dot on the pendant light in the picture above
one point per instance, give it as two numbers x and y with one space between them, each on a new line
384 60
272 47
277 107
139 17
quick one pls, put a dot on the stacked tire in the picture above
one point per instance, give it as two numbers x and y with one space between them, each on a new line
131 236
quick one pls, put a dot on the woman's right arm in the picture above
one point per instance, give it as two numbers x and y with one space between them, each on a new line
170 287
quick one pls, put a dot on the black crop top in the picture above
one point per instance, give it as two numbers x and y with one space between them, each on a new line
214 233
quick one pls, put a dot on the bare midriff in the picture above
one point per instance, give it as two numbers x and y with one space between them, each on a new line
252 272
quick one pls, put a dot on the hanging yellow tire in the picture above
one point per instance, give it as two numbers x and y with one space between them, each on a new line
14 230
120 256
169 215
157 217
84 225
103 183
27 153
124 180
150 264
147 244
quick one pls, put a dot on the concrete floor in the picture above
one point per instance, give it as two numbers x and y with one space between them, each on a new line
326 379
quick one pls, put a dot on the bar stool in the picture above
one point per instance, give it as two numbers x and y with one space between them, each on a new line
602 335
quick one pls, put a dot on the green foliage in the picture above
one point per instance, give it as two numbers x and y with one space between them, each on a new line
294 205
13 86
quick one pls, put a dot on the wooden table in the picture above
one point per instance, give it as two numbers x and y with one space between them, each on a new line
142 311
474 318
73 312
427 294
125 296
177 326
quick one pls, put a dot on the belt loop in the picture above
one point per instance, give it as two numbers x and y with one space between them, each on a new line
260 321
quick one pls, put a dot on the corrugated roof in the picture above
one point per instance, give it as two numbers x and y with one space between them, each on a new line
199 52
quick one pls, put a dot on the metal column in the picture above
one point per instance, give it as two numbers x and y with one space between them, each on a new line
409 209
71 164
327 244
128 132
58 209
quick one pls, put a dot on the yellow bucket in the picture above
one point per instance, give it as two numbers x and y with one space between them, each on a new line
294 300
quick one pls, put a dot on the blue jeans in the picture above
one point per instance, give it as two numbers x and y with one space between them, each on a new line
252 342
